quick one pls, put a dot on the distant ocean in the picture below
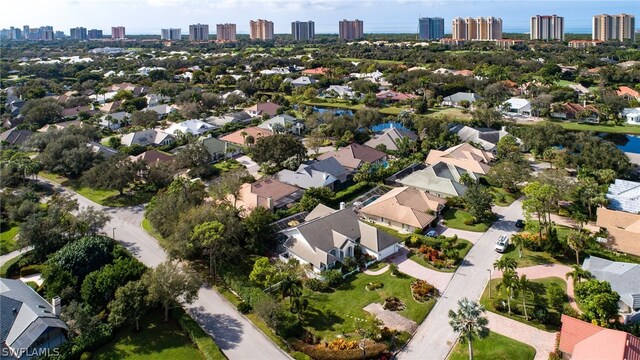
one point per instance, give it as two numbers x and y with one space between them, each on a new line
578 30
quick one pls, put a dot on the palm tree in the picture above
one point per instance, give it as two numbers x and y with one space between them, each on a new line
518 242
505 263
577 241
509 285
469 322
299 305
524 286
578 274
290 287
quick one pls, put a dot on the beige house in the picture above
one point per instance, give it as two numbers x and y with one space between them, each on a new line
267 193
404 209
464 156
623 228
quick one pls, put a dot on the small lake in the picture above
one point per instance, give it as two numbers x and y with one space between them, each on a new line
626 143
338 112
382 127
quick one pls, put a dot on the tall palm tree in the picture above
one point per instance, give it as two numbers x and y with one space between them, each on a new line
290 287
577 241
508 284
469 322
505 263
518 242
578 274
299 305
524 286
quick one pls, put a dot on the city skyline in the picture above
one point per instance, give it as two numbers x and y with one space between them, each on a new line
395 16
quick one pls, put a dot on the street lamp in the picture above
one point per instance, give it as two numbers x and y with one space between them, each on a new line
113 233
489 270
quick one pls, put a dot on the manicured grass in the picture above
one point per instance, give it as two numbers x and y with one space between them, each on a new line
146 225
450 111
506 198
454 218
7 237
538 291
227 165
374 60
530 258
157 340
332 314
95 195
463 246
494 347
5 266
618 129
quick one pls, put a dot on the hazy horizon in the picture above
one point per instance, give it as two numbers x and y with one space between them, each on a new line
147 17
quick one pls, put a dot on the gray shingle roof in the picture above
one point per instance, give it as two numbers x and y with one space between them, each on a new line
624 195
318 174
459 96
623 277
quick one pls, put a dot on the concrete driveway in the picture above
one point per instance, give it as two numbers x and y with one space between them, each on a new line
251 166
436 278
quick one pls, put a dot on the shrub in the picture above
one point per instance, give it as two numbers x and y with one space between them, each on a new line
297 355
393 269
540 314
203 341
499 305
374 351
470 221
393 304
568 310
30 270
244 307
422 290
314 284
288 325
417 231
556 297
33 285
374 285
332 277
86 355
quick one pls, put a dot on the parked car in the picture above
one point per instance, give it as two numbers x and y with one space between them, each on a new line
520 224
432 233
502 243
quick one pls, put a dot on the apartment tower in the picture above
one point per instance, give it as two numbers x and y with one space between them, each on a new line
547 27
477 29
226 32
171 34
261 29
303 30
614 27
118 32
199 32
431 28
351 29
95 34
78 33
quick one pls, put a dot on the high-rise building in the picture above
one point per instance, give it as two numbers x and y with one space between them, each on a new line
58 34
261 29
351 29
547 27
118 32
95 34
226 32
45 33
12 33
614 27
78 33
303 30
171 34
431 28
477 29
199 32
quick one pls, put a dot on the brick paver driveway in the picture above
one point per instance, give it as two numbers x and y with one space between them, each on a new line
541 340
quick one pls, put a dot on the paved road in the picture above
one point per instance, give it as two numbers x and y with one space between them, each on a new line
235 334
435 338
8 256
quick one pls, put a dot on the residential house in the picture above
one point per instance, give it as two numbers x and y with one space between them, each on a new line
487 138
30 325
581 340
147 138
267 193
355 155
60 125
301 81
283 123
162 110
219 149
464 156
11 122
239 137
623 229
193 127
624 195
114 121
439 179
580 89
394 96
260 109
404 209
316 71
111 107
455 99
628 93
517 106
157 99
324 173
390 137
374 76
236 92
75 111
632 115
573 111
233 118
624 279
151 157
339 91
105 151
15 136
328 236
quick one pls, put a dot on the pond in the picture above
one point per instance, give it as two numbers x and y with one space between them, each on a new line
626 143
338 112
387 125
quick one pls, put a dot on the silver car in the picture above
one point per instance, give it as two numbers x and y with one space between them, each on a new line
502 243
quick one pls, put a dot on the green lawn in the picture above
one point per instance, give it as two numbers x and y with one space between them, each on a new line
619 129
227 165
332 314
463 246
454 218
531 258
538 291
450 111
374 60
157 340
494 347
7 237
501 197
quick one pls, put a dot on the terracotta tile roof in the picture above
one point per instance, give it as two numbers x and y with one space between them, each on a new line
264 108
406 205
585 341
464 156
237 138
267 193
316 71
625 90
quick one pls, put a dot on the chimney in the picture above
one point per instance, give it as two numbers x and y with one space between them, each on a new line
342 205
56 306
270 202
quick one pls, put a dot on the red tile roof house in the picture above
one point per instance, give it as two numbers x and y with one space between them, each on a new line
239 137
570 111
580 340
393 96
260 109
316 71
628 93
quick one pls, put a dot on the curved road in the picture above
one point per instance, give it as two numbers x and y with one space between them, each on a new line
235 334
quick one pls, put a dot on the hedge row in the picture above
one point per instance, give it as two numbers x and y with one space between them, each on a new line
203 341
373 351
30 270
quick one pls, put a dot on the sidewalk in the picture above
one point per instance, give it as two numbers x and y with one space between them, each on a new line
541 340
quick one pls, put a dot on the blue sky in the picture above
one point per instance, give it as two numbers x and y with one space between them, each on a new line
393 16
